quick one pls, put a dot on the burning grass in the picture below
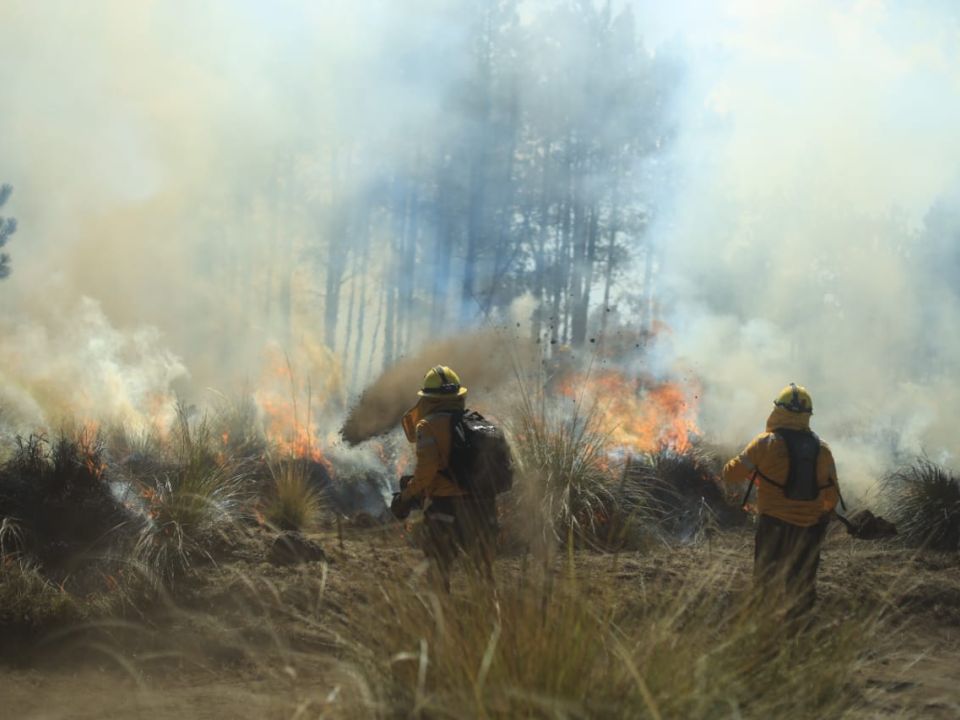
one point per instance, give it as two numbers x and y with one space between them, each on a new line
199 495
570 454
56 504
575 638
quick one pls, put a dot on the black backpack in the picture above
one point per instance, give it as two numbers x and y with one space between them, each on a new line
480 458
804 449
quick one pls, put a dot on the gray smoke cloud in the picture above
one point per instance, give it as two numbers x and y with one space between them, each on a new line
818 137
172 165
175 162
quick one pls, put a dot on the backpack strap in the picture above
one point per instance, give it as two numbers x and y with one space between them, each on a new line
746 495
753 480
783 486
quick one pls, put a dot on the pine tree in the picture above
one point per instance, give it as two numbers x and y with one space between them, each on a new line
8 226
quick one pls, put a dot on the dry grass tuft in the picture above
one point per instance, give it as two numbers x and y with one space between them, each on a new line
561 464
559 647
673 495
201 495
30 602
292 503
924 502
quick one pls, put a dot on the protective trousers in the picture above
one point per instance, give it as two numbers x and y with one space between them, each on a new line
785 562
462 524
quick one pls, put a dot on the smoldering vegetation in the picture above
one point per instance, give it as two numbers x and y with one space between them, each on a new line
616 573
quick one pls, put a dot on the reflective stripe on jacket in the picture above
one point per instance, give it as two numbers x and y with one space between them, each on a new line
768 454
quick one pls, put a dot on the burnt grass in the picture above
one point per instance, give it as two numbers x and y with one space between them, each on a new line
57 495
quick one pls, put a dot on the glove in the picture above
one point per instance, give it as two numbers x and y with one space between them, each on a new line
400 507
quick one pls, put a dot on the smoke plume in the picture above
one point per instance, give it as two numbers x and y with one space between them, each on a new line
184 174
801 243
484 360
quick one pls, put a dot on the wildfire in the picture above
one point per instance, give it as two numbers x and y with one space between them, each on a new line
640 416
287 407
290 435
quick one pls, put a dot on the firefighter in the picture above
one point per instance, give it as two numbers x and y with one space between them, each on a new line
797 492
454 520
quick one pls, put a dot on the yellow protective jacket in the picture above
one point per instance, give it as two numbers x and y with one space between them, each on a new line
768 454
428 425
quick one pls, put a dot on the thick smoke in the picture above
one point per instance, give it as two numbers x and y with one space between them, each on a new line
78 367
799 245
179 164
173 162
485 361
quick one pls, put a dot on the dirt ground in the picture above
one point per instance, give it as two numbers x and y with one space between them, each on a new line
247 639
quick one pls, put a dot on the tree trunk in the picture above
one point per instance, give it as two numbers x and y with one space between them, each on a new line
646 315
443 242
539 258
408 281
362 310
376 332
611 249
582 309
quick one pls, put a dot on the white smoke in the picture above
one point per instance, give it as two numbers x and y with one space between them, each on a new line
79 367
815 139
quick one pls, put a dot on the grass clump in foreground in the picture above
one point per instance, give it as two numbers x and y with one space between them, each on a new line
56 506
561 462
29 601
924 502
563 648
674 495
200 494
292 503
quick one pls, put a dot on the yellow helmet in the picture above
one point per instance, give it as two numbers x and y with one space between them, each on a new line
441 381
795 398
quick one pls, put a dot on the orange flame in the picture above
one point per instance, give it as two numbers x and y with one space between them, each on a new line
288 422
640 417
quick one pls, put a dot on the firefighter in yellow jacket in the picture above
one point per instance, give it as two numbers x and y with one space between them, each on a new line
454 520
797 492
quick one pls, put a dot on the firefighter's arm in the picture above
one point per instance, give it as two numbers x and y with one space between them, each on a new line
831 494
428 462
743 465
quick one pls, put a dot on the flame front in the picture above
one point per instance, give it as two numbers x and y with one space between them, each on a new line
288 424
639 416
